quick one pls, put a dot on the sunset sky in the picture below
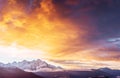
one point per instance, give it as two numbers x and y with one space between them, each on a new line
75 34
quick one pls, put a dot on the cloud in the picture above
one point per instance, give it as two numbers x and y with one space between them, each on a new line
107 54
39 26
83 65
101 54
62 29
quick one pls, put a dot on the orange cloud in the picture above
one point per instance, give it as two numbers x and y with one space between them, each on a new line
43 26
41 29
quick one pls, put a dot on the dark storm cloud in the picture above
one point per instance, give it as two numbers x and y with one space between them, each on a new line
100 18
101 15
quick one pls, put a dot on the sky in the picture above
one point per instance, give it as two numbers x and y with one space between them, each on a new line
75 34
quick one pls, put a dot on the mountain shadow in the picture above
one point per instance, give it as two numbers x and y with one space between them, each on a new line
13 72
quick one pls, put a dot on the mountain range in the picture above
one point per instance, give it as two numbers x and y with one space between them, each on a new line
41 69
32 66
94 73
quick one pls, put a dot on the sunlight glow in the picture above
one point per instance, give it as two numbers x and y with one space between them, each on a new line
18 53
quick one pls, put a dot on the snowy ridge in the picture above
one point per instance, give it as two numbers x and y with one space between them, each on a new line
32 66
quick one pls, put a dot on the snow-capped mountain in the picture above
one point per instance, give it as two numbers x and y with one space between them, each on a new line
32 66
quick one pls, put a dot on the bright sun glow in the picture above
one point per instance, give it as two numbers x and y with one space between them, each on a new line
18 53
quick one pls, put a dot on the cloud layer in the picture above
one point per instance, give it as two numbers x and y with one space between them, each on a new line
72 30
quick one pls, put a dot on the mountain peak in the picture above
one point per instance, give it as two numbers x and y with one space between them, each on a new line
105 68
